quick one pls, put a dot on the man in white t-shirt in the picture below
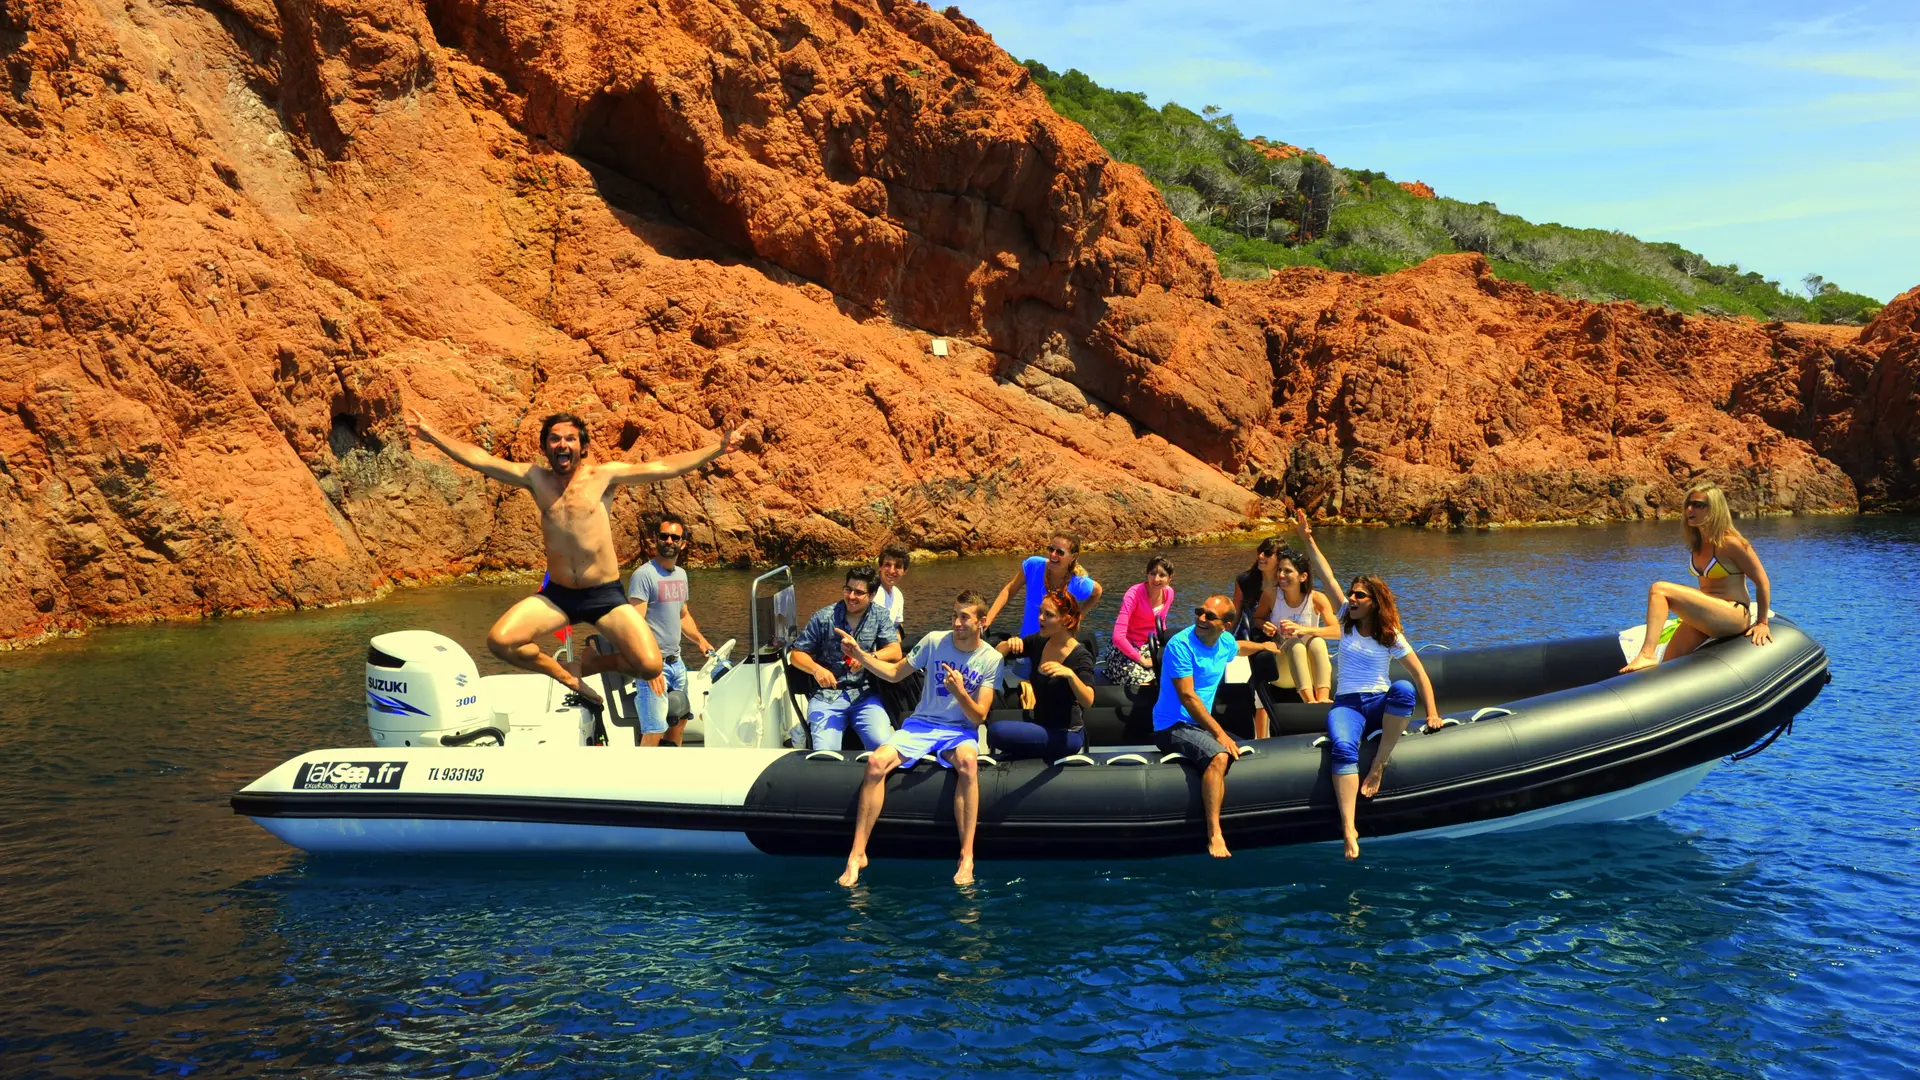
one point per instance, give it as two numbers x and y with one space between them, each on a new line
961 670
893 566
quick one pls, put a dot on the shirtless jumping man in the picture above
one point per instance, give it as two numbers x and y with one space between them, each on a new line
583 572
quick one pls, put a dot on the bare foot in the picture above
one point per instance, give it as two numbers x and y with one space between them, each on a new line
586 698
855 864
1639 663
1353 845
1371 785
964 875
1217 847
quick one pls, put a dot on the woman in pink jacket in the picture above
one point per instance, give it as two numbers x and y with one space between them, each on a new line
1142 611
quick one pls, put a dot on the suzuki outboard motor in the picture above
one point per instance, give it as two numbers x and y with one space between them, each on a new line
423 690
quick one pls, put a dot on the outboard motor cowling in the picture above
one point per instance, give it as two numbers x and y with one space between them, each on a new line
423 690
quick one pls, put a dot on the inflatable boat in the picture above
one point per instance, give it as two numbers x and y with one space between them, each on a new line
1538 734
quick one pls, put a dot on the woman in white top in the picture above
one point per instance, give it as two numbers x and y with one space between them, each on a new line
1370 639
1296 601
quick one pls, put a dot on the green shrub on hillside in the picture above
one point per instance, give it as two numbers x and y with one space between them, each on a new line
1259 211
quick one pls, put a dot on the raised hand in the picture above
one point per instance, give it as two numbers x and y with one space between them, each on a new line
1300 522
956 685
850 648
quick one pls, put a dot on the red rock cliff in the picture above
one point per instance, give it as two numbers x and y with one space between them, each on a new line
237 239
1443 395
1855 396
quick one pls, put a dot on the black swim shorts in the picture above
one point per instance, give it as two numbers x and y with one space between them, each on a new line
588 605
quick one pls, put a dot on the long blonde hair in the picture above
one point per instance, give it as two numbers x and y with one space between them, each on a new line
1719 518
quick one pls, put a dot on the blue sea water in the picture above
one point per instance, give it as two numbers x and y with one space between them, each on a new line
1764 926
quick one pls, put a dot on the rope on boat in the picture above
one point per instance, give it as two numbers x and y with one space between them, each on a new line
1783 729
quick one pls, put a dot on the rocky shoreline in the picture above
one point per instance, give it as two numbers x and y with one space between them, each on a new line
240 239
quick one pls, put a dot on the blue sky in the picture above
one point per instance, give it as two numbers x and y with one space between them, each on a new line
1785 138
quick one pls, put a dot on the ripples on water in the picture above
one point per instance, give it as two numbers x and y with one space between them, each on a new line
1763 926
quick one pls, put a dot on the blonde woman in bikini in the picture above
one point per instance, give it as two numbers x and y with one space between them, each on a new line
1722 561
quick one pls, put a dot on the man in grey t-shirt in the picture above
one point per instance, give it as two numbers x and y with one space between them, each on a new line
961 670
659 589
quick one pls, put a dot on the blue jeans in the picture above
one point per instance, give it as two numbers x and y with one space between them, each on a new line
1023 739
1353 715
827 718
652 707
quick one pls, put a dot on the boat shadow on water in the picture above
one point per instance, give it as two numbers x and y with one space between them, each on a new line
1646 867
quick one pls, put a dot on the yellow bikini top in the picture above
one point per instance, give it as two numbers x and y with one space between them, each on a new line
1713 570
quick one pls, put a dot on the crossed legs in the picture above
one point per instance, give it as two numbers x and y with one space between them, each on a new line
1347 724
515 639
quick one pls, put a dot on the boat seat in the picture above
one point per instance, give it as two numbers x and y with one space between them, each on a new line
617 689
1128 759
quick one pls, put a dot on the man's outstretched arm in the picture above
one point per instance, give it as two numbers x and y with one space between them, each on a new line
507 472
666 468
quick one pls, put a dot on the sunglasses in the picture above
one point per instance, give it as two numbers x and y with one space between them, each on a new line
1696 504
853 592
1208 616
1359 595
1062 552
670 538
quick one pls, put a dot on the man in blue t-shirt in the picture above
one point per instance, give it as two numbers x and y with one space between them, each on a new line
1191 669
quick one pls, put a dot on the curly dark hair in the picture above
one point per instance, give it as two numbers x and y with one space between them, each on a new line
547 425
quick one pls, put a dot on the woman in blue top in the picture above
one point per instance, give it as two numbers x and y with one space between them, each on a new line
1039 575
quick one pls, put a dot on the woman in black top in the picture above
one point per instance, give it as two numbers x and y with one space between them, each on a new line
1253 596
1062 686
